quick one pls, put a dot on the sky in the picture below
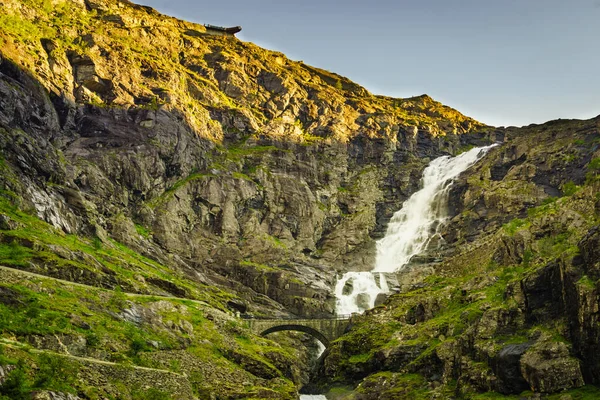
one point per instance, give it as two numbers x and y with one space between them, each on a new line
502 62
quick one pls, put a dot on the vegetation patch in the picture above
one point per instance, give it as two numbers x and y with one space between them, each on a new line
515 225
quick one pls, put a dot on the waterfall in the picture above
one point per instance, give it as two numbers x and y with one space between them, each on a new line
357 291
409 232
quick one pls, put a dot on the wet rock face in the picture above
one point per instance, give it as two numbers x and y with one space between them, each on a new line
363 300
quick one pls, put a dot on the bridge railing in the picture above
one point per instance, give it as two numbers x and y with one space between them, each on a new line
290 318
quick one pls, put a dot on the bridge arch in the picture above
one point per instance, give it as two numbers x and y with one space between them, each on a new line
299 328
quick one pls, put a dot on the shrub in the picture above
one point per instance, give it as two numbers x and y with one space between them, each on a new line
92 339
16 386
570 188
55 373
594 164
150 394
142 231
513 226
118 300
97 243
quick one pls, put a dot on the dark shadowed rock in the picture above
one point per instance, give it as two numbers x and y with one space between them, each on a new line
507 366
237 305
10 297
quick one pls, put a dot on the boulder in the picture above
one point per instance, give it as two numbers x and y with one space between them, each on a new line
348 287
548 367
380 299
363 300
237 305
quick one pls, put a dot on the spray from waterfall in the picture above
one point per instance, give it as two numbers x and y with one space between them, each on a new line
409 232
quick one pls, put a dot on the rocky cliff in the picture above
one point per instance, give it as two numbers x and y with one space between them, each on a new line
506 303
156 181
231 157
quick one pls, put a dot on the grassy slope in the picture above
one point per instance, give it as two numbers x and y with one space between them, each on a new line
91 321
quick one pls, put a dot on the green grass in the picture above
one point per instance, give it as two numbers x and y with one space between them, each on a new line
14 254
397 386
586 282
464 149
45 308
142 231
237 153
593 171
587 392
258 266
515 225
570 188
52 372
594 164
548 206
557 245
31 246
168 194
360 358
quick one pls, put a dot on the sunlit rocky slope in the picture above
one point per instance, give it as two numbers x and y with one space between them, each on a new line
157 181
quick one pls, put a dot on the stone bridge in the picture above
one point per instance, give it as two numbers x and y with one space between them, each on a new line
325 330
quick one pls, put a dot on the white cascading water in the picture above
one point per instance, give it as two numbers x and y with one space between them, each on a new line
409 232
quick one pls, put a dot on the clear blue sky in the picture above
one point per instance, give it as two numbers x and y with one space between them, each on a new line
503 62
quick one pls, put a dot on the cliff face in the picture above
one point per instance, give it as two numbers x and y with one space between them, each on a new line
231 157
508 303
182 178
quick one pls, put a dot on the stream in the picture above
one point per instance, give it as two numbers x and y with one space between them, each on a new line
409 232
